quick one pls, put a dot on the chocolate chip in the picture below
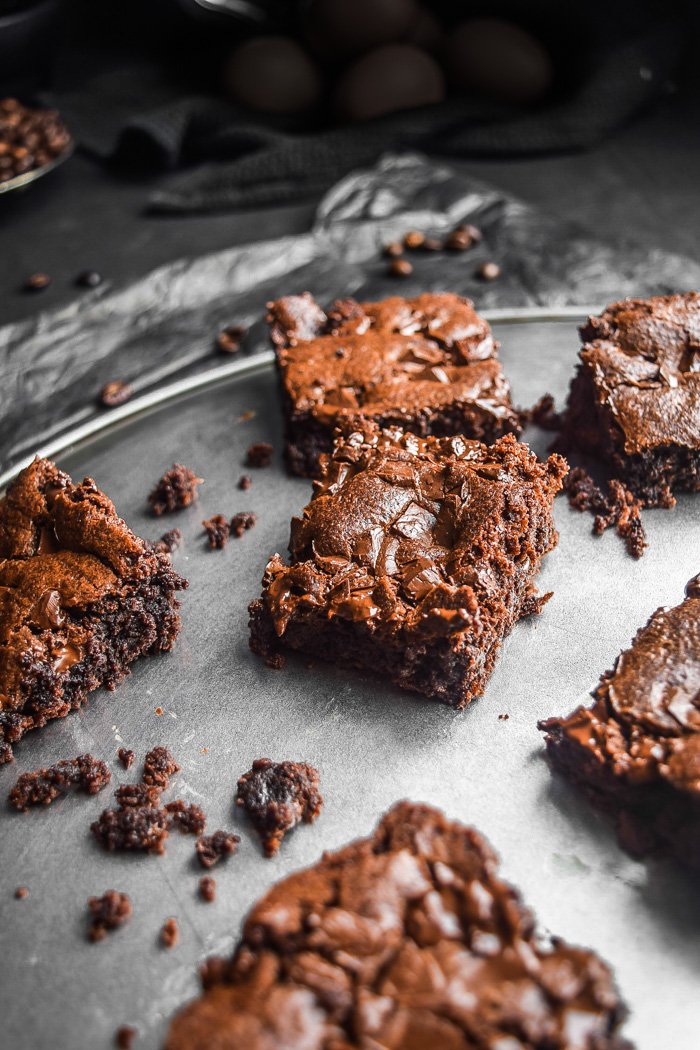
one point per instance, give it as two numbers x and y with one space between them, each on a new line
36 282
89 279
489 271
118 392
400 268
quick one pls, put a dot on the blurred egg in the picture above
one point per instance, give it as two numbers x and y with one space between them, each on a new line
498 59
272 74
350 27
397 76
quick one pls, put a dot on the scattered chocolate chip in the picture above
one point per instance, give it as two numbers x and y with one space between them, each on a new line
207 888
489 271
118 392
36 282
21 893
140 828
126 757
260 454
277 796
393 250
125 1036
245 482
170 933
169 541
413 239
400 268
217 529
42 786
211 848
175 490
158 767
187 817
228 341
241 522
108 912
88 279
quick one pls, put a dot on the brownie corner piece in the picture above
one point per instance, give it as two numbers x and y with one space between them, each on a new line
408 938
81 597
635 399
414 558
635 751
428 364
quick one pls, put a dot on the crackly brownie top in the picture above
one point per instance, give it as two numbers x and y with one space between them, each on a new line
645 722
405 939
425 533
644 356
395 356
62 547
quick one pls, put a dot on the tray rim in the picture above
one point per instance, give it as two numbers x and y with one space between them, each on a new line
245 366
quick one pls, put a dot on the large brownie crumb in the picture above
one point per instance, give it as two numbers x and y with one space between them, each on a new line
210 849
620 508
126 757
207 888
169 541
108 912
260 454
277 796
241 522
133 796
142 828
187 817
175 490
158 767
170 933
217 529
406 940
39 788
125 1036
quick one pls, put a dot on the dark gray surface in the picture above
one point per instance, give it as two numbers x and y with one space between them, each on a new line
373 745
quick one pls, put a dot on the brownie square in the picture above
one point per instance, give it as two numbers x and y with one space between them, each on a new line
427 364
635 399
635 752
406 940
414 558
81 597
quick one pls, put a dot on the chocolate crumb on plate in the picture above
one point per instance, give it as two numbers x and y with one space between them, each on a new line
543 414
241 522
400 268
89 279
40 787
36 282
210 849
125 1036
107 913
21 893
217 529
187 817
176 490
228 341
169 541
489 271
277 796
126 757
393 249
620 508
158 767
207 889
260 454
413 239
170 933
132 796
245 482
117 392
138 828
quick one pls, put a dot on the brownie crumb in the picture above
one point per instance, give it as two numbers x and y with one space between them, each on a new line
139 828
399 268
228 341
6 754
217 529
211 849
413 239
89 279
158 767
241 522
260 454
159 711
169 541
207 888
213 971
124 1037
118 392
393 250
620 508
126 757
458 241
503 718
175 490
543 415
489 271
39 788
245 482
108 912
170 933
277 796
36 282
21 893
187 817
133 796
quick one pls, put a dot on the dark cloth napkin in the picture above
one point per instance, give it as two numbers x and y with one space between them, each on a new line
625 54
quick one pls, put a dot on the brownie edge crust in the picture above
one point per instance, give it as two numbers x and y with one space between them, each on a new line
413 559
406 939
81 597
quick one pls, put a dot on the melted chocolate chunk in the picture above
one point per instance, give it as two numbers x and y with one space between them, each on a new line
107 913
408 938
175 490
210 849
277 796
41 787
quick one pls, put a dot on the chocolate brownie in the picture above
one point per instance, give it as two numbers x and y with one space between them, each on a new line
81 597
406 939
414 559
427 364
635 752
277 796
635 399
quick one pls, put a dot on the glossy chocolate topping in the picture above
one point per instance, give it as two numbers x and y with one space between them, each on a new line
422 534
644 358
396 358
407 939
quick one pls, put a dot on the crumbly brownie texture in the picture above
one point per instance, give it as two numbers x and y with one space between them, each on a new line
42 786
406 939
187 817
132 828
210 849
158 767
81 598
635 752
427 364
107 913
414 558
620 508
217 529
170 933
207 889
176 490
277 796
242 522
635 400
169 541
126 757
